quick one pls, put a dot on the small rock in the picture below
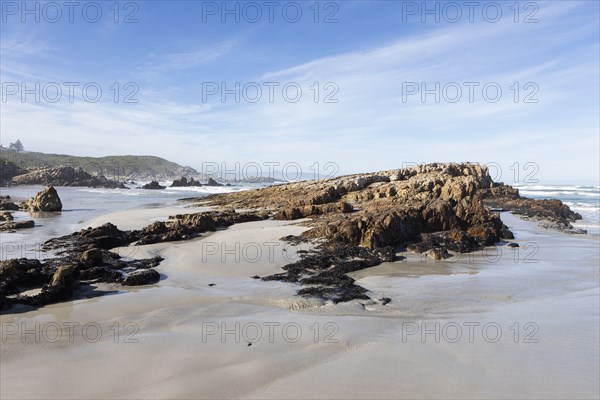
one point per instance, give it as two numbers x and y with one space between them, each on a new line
142 277
385 300
513 245
154 185
437 254
212 182
92 257
6 216
64 276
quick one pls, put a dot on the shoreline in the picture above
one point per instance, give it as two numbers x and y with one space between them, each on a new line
175 315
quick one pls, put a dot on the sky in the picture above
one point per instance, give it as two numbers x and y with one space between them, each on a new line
331 87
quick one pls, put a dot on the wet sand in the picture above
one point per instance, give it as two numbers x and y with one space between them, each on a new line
524 324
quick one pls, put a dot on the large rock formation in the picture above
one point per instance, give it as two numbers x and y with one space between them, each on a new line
65 176
46 200
428 209
385 208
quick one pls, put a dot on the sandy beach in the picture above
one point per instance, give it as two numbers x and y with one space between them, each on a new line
489 325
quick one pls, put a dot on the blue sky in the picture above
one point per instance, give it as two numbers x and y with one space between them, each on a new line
370 56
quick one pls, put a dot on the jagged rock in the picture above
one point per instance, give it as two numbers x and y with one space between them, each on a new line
6 216
212 182
183 182
154 185
46 200
65 176
142 277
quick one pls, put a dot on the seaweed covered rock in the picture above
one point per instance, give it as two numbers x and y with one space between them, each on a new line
324 274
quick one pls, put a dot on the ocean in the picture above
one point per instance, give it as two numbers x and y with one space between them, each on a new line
83 204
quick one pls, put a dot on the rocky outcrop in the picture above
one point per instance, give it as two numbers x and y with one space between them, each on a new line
46 200
65 176
552 214
212 182
5 216
183 182
431 209
154 185
385 208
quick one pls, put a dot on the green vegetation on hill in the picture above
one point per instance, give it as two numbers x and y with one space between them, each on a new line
113 167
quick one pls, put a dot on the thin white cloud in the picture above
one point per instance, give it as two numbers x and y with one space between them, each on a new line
189 59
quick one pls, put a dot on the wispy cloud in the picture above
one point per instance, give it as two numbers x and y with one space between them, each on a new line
189 59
